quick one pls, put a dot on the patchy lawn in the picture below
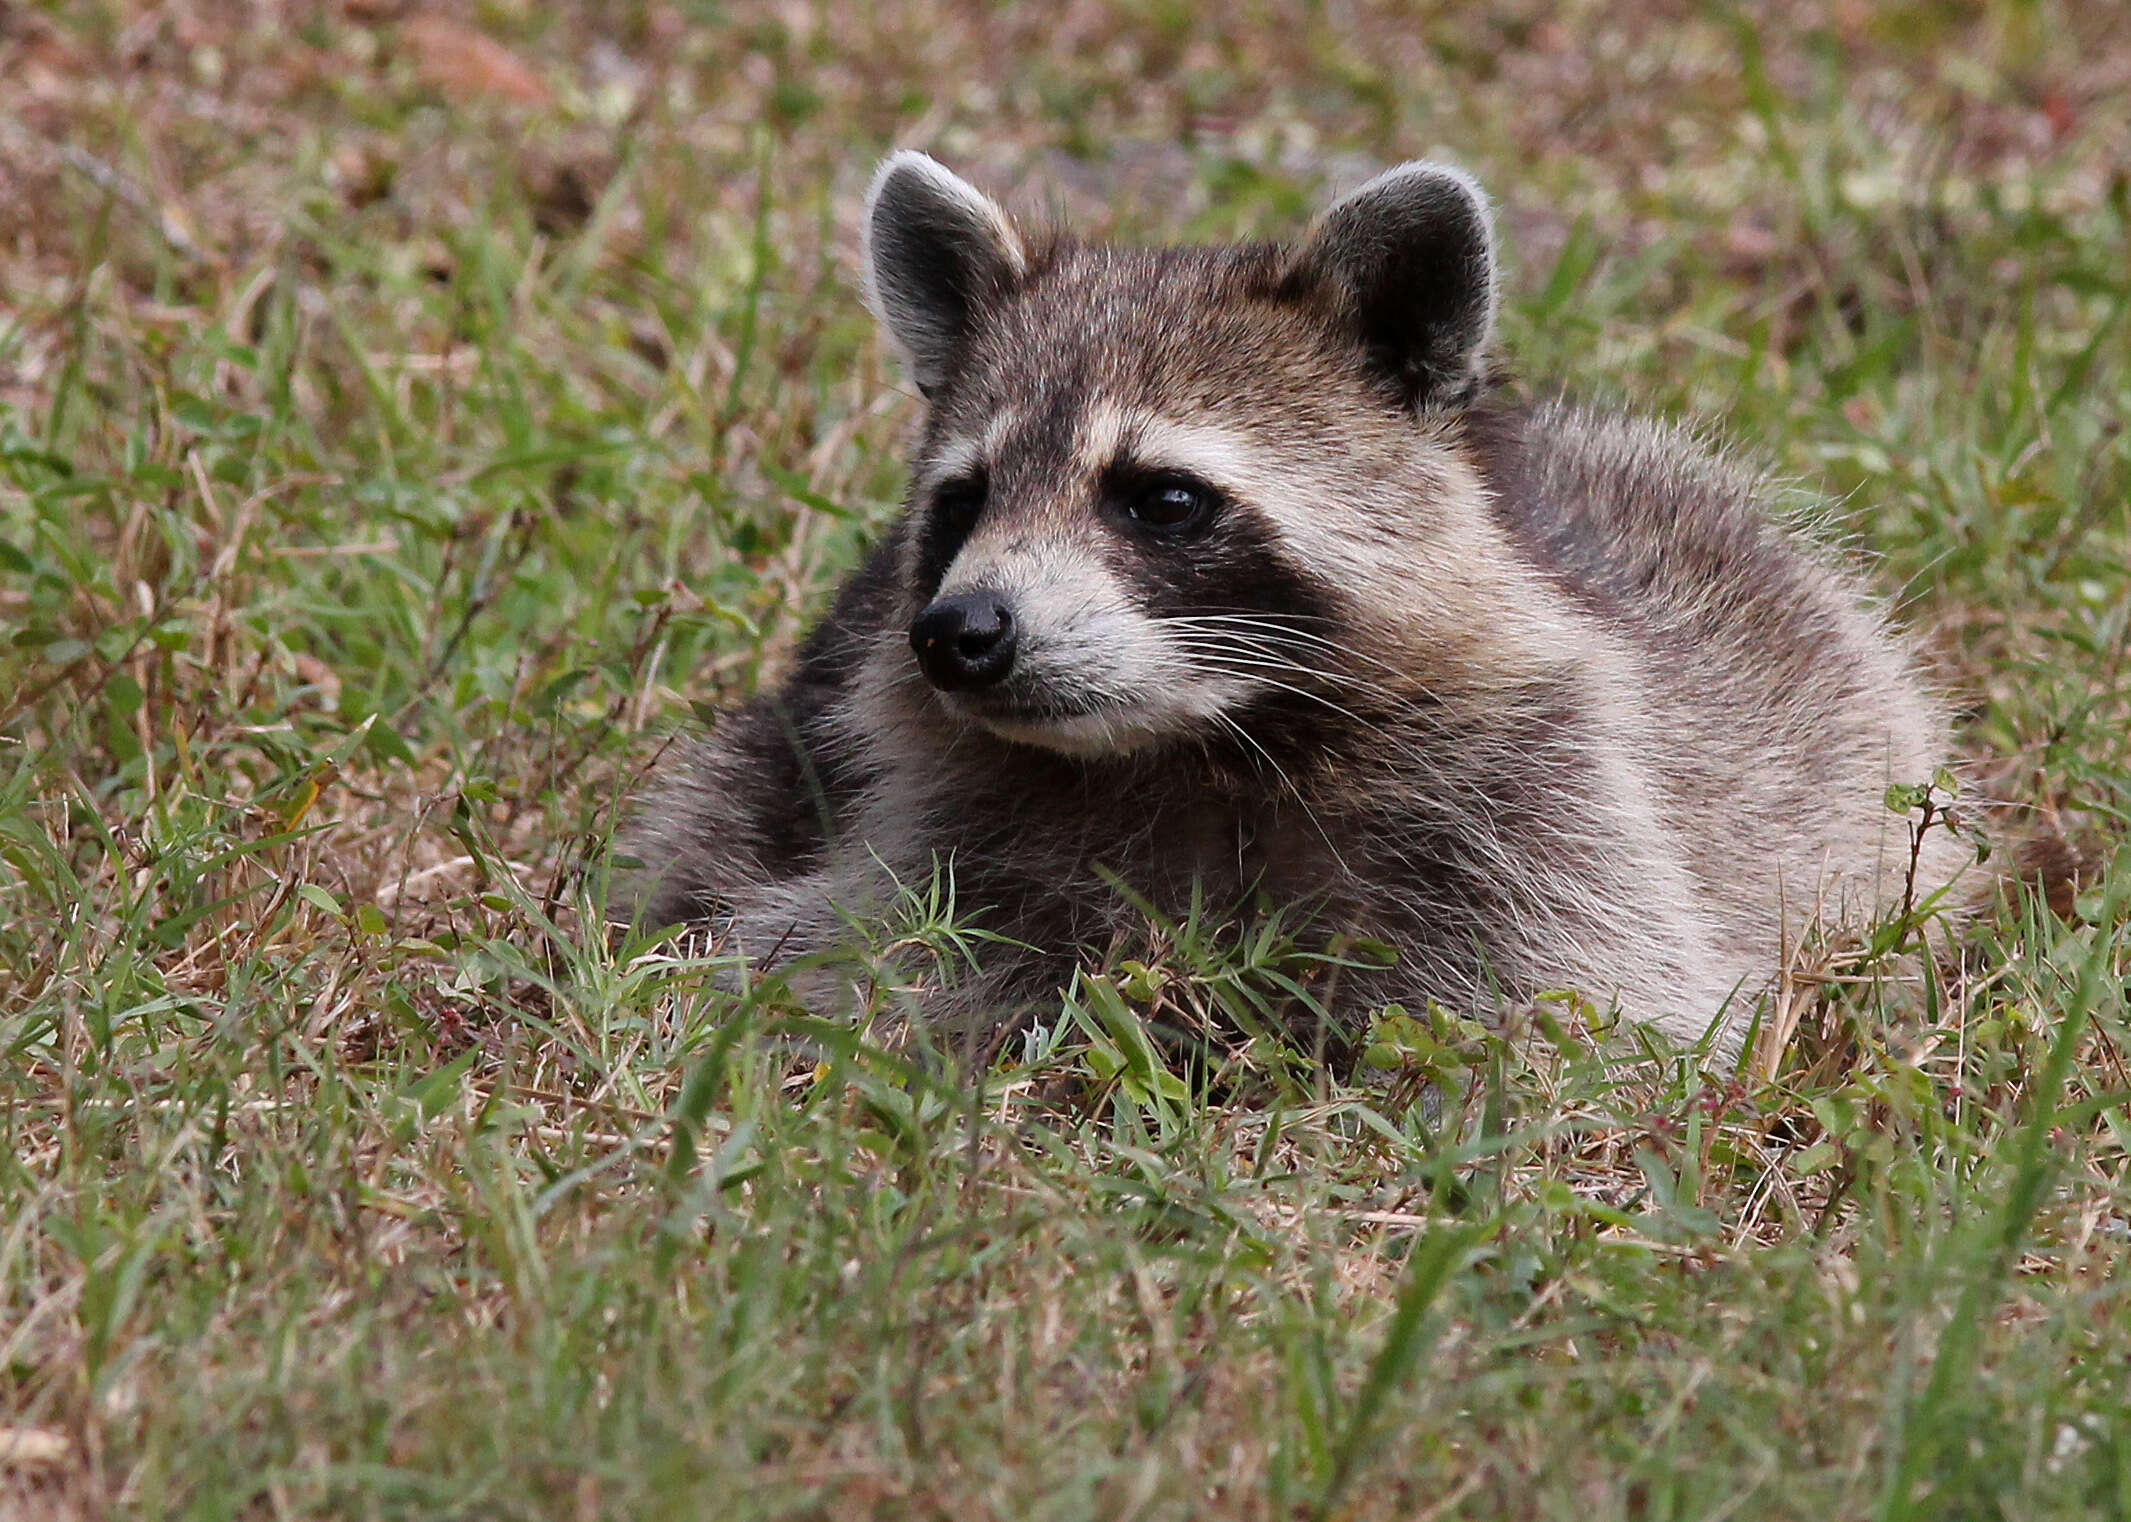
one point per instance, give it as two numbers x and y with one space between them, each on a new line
410 415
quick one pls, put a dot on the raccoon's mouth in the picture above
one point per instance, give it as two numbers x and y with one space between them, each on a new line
1074 726
1007 709
1025 708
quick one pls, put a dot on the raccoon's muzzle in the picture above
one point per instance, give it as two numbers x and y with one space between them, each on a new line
965 641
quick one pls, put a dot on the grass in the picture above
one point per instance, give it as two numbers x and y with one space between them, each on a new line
407 421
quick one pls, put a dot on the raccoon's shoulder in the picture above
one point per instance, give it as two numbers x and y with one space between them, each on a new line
1640 519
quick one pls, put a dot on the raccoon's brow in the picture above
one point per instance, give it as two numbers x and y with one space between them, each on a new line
1221 457
1101 435
967 452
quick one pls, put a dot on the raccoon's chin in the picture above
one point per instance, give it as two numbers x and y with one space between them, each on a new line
1082 734
1106 729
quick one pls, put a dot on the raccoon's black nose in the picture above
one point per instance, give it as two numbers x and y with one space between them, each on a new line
964 641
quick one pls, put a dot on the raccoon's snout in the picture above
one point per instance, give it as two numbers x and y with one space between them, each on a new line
965 641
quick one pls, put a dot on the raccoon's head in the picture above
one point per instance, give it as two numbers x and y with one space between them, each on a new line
1159 490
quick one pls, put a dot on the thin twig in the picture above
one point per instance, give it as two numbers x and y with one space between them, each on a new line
111 180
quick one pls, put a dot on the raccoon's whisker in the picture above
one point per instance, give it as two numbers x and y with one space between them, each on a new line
1403 692
1263 673
1294 790
1251 740
1227 654
1218 645
1269 631
1276 656
1282 626
1258 642
1279 631
1241 658
1302 692
1244 666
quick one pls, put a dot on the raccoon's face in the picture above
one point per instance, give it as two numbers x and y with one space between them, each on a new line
1097 577
1149 480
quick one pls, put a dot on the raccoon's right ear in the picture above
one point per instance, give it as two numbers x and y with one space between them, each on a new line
936 248
1410 259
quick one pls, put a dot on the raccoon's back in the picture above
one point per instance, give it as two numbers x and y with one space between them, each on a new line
1647 528
1776 704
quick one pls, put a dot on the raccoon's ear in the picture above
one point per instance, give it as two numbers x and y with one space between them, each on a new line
1411 258
936 248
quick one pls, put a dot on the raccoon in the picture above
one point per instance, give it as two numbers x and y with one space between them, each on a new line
1230 572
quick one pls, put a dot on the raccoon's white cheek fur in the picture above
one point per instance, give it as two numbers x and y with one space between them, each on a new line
1093 674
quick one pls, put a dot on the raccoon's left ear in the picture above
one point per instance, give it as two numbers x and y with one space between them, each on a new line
1410 256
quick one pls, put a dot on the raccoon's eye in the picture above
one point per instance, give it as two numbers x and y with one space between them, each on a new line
957 503
1170 504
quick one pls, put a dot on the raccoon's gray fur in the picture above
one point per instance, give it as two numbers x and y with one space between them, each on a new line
1221 567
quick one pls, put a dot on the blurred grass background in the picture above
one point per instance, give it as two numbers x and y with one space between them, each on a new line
410 414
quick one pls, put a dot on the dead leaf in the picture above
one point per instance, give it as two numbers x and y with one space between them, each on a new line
316 673
1749 242
32 1447
461 61
564 192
